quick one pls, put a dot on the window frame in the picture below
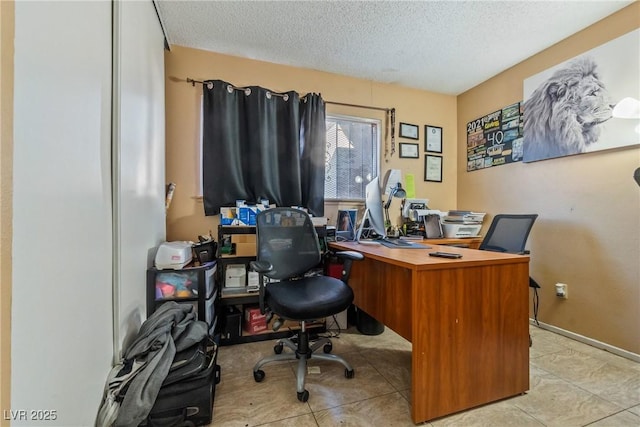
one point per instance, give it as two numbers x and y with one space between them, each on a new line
358 119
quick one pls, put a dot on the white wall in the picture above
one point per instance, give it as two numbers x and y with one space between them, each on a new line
63 330
61 308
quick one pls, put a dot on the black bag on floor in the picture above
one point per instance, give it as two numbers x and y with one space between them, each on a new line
186 396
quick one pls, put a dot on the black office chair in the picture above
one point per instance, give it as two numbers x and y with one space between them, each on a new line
509 233
288 248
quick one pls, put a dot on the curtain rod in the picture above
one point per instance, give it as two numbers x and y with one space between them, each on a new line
359 106
193 83
390 114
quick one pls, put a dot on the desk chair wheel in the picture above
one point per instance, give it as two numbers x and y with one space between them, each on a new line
327 348
277 349
258 375
304 396
349 373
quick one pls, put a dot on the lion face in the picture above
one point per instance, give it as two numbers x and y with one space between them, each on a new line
589 101
563 114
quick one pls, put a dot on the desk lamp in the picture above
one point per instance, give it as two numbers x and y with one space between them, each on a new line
398 192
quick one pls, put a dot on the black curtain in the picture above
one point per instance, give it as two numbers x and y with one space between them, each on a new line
261 144
313 137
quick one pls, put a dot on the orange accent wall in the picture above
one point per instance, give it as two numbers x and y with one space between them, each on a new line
185 218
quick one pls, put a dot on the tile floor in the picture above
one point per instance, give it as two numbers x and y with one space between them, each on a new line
572 384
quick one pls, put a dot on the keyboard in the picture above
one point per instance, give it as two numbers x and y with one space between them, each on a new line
398 242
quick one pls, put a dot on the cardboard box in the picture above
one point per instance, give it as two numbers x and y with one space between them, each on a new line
235 276
243 238
228 216
245 244
254 328
252 314
254 321
247 214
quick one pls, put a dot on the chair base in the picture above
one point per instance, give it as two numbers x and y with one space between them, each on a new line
302 351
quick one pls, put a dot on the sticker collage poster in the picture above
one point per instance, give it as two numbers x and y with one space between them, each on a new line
495 139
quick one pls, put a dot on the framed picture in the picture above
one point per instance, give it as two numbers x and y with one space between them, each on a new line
408 151
432 168
409 131
433 139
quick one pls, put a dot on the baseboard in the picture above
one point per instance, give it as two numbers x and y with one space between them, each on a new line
594 343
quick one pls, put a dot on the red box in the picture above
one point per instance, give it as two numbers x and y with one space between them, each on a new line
254 321
252 314
254 328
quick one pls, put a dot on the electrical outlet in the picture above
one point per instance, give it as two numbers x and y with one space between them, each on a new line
562 290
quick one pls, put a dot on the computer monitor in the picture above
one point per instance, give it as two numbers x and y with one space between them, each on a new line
373 210
345 227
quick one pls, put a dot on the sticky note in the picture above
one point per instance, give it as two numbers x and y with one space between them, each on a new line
410 185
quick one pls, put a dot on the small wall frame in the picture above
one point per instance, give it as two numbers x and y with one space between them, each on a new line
409 151
409 131
432 168
432 139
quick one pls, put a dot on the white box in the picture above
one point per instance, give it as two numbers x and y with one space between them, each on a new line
461 230
253 280
235 276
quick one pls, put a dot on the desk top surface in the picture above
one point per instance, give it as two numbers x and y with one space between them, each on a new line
419 259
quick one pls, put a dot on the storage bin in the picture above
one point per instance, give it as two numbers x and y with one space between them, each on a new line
201 290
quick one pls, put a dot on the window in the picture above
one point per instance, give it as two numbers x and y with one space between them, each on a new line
352 156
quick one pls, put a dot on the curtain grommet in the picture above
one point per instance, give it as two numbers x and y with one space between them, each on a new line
209 85
285 97
268 95
229 88
247 91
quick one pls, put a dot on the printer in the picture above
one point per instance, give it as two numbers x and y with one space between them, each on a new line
173 255
460 224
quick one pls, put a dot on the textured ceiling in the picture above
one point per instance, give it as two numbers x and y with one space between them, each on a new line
442 46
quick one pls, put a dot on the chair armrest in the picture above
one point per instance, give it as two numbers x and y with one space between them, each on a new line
351 255
347 258
261 266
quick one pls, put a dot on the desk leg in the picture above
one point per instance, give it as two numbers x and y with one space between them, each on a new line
470 338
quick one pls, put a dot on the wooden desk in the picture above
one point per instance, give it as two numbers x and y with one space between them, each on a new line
470 242
467 320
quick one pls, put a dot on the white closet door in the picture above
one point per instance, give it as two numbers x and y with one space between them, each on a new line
61 295
139 141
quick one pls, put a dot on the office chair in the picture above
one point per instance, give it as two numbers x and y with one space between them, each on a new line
509 233
288 248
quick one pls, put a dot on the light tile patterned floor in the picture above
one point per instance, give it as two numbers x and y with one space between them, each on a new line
572 384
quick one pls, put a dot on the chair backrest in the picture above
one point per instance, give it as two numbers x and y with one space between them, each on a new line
508 233
287 239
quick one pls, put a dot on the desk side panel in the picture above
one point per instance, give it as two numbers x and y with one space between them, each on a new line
470 338
384 291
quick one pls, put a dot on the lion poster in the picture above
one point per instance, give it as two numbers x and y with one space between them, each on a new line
588 103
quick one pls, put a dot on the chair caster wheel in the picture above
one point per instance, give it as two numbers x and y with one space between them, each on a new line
327 348
277 349
349 373
258 375
304 396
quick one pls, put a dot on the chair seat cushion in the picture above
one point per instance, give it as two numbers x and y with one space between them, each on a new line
308 298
